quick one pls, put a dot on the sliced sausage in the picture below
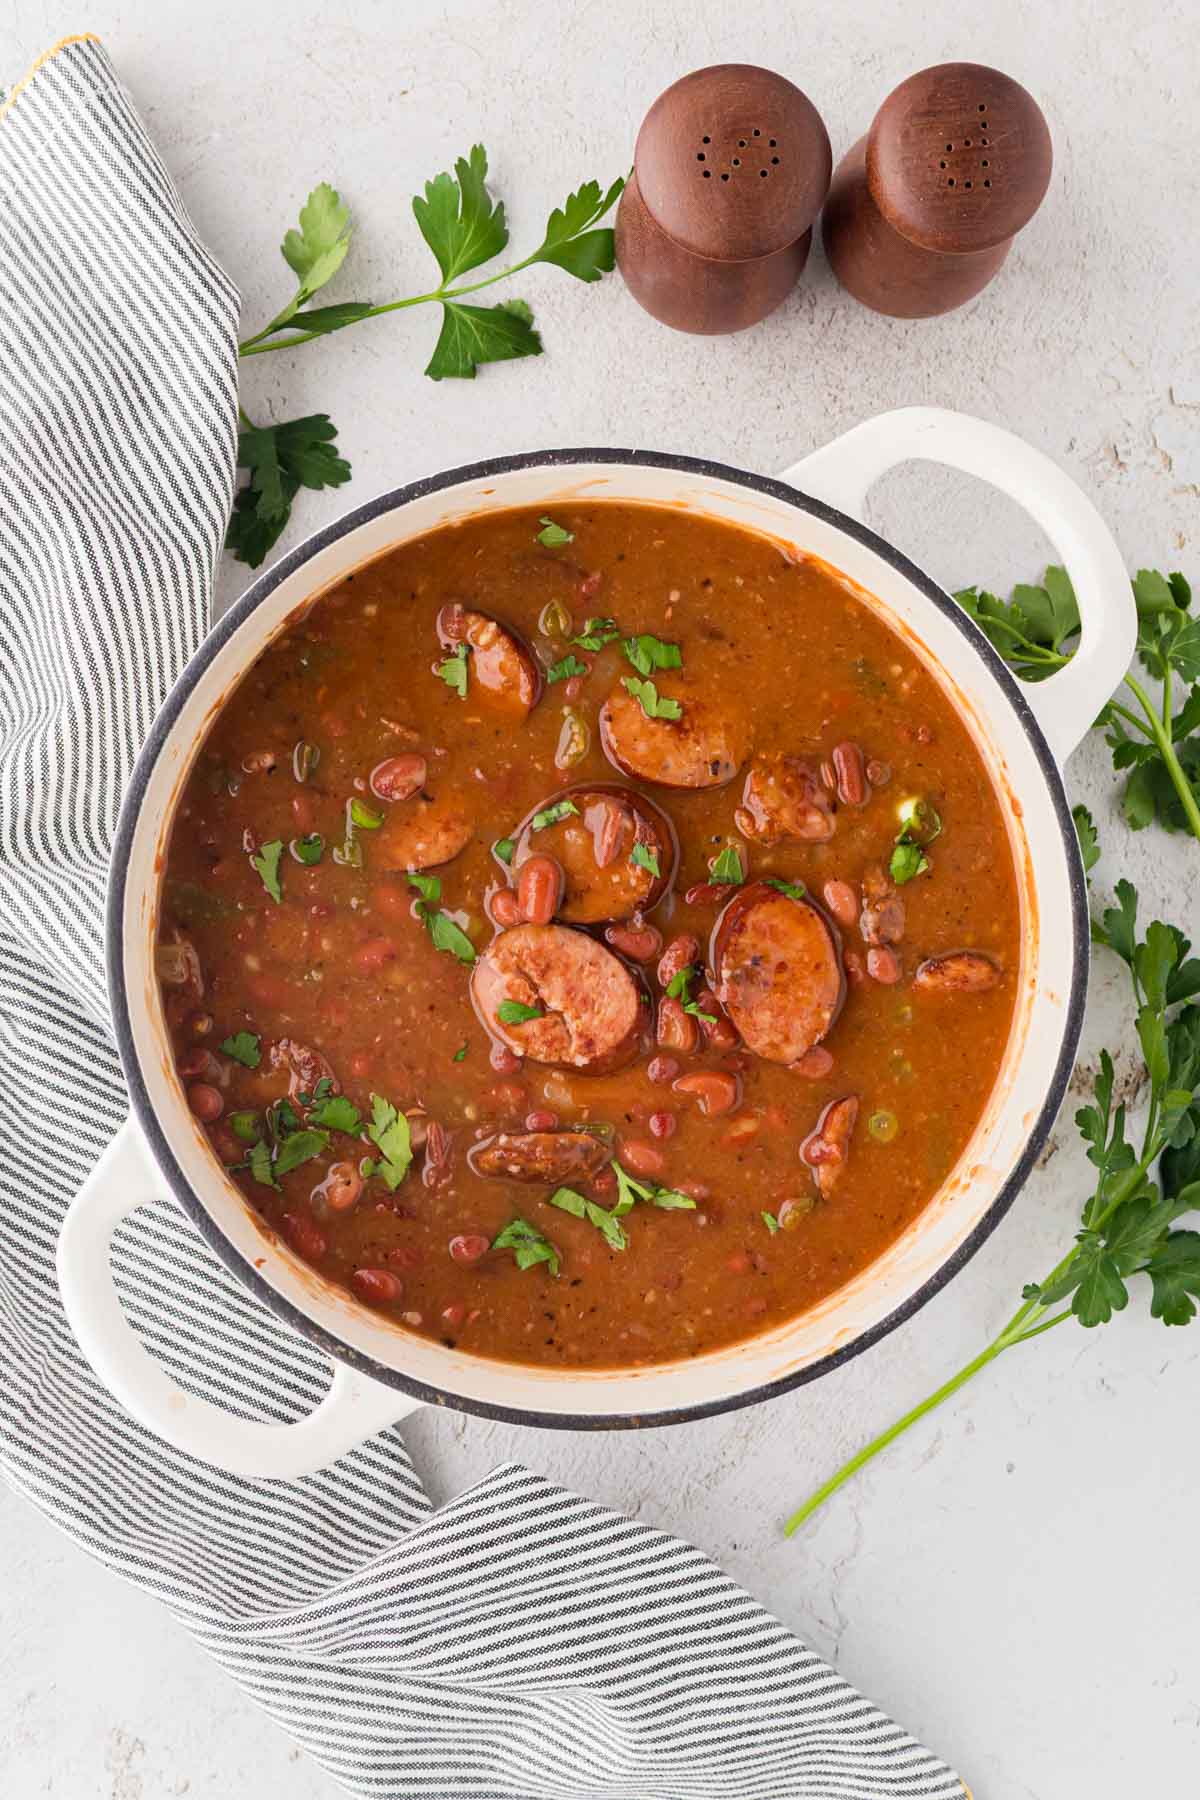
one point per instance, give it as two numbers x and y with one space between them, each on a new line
778 971
591 1013
959 972
594 846
827 1147
881 920
305 1067
546 1156
704 748
784 798
501 666
424 833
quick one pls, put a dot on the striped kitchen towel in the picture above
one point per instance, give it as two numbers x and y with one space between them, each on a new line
523 1641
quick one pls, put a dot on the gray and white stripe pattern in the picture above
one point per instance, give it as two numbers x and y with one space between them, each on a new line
522 1642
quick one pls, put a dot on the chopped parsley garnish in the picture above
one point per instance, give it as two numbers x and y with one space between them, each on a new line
443 930
771 1222
246 1126
629 1192
607 1223
515 1012
596 633
652 703
389 1131
920 824
648 653
364 817
300 1147
244 1047
308 850
259 1163
454 670
728 867
795 890
460 1054
677 989
552 815
266 863
563 671
503 849
552 535
645 859
281 1118
528 1245
335 1113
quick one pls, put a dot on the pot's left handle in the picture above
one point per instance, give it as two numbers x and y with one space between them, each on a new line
843 473
125 1178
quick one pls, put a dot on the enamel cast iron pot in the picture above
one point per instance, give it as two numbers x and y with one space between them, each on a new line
1025 734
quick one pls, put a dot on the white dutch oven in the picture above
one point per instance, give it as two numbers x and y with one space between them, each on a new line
1025 733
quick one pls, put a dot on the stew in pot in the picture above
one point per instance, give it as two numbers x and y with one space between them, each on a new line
590 940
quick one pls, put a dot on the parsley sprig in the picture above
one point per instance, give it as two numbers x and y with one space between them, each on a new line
1037 631
1140 1189
464 228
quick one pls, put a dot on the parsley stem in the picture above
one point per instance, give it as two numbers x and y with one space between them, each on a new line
1162 737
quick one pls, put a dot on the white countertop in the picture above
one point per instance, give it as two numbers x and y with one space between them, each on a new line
1005 1580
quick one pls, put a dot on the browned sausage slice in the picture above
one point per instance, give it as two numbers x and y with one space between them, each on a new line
545 1156
595 847
784 798
827 1147
423 833
704 748
501 668
958 972
778 971
591 1014
882 918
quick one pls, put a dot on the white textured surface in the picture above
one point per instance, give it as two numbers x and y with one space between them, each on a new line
979 1581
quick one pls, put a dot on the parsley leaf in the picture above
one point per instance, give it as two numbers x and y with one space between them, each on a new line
389 1131
259 1164
569 242
515 1012
266 863
503 849
728 867
246 1126
648 653
652 704
677 989
596 633
771 1222
364 817
920 824
445 932
528 1245
335 1113
553 815
317 251
563 671
244 1047
460 1054
458 219
608 1223
645 859
795 890
630 1191
553 536
280 460
471 335
454 670
308 850
300 1147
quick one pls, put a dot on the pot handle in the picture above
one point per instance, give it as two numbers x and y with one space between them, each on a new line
841 474
125 1178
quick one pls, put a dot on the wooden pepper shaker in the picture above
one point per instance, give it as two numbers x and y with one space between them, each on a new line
922 210
730 169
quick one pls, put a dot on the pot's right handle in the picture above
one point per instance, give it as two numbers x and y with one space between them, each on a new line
355 1407
842 473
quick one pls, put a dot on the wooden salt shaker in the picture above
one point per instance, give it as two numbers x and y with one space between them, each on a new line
730 169
922 211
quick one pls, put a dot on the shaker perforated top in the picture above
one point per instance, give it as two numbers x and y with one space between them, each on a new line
958 158
733 162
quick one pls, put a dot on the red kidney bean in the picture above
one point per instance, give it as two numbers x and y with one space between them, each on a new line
259 762
720 1033
306 1238
199 1061
638 942
842 901
603 1182
741 1129
852 962
715 1089
469 1247
828 777
677 1030
608 822
373 954
662 1069
404 1256
539 889
883 965
454 1315
590 586
662 1124
641 1158
541 1120
504 1060
205 1101
815 1064
379 1286
504 908
851 774
695 1190
709 893
341 1187
451 623
681 951
399 777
